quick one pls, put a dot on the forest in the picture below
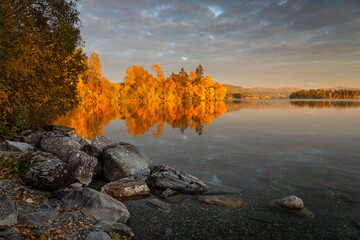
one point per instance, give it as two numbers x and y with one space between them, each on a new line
45 73
326 94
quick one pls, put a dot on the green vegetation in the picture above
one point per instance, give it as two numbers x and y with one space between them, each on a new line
326 94
9 167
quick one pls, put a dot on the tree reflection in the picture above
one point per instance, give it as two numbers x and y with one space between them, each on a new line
326 104
90 120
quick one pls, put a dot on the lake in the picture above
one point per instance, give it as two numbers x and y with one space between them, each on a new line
268 149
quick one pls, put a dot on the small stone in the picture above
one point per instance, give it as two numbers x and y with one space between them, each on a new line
161 206
292 202
168 192
29 200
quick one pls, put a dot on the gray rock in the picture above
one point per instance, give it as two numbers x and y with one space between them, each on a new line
20 146
8 212
98 205
61 146
32 137
168 192
100 142
98 236
291 202
127 188
113 227
164 177
83 166
76 186
160 205
45 171
123 160
41 218
74 136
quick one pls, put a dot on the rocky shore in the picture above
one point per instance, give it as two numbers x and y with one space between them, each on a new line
71 188
56 185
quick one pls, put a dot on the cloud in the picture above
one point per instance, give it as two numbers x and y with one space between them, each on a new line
248 43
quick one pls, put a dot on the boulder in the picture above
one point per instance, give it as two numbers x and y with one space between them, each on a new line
74 136
19 146
98 236
45 171
165 177
61 146
123 160
83 166
8 212
32 137
98 205
113 227
100 142
127 188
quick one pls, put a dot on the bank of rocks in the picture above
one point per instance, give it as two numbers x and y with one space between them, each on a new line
58 168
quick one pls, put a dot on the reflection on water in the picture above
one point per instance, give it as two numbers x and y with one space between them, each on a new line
90 120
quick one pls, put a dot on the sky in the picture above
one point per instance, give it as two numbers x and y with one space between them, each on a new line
274 43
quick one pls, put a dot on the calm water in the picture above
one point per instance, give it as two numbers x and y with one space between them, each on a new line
270 149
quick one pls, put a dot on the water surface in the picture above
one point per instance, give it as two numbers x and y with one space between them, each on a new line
270 149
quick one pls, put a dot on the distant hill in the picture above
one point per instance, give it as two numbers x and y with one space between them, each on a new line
236 92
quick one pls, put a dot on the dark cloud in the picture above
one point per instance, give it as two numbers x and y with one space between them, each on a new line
248 43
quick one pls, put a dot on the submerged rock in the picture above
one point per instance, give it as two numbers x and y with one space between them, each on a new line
45 171
116 227
165 177
98 205
291 204
123 160
160 205
260 216
226 201
8 212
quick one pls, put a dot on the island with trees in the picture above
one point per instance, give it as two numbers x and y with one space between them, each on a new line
326 94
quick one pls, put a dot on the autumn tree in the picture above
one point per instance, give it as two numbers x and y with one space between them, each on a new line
39 62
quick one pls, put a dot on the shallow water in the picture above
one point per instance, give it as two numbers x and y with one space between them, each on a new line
268 148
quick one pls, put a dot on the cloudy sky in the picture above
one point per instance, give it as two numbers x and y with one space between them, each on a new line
273 43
